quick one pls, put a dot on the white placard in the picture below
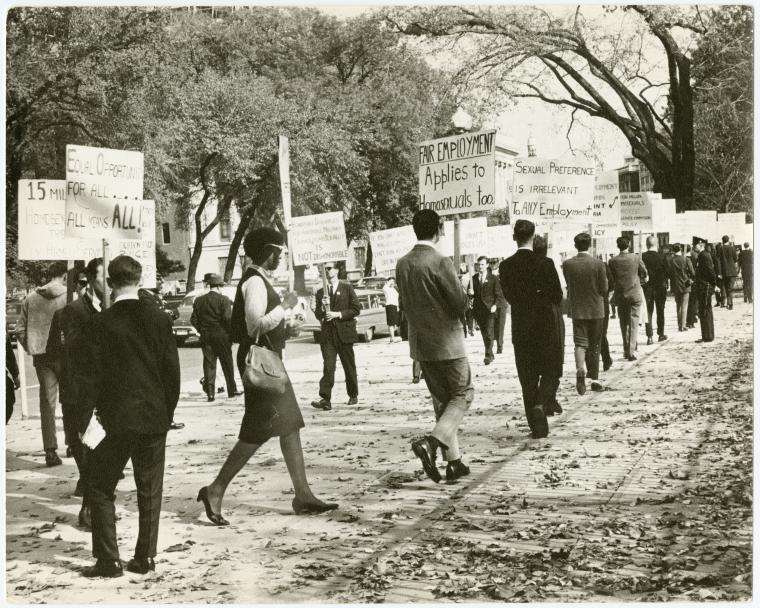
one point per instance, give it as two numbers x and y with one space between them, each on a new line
104 191
143 250
606 213
500 243
663 214
731 224
457 174
318 238
704 224
389 245
472 237
552 190
636 211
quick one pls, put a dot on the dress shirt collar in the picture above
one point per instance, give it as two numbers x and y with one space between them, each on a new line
583 253
127 296
528 247
428 244
94 300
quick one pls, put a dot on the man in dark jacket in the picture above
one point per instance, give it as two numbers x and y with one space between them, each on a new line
745 263
211 317
706 280
681 273
656 289
502 307
337 312
727 258
134 387
486 289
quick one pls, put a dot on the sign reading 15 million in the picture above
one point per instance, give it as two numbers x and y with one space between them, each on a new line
457 174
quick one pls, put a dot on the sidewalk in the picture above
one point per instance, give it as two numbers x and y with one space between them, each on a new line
641 492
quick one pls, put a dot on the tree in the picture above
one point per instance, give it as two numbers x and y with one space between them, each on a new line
166 265
630 67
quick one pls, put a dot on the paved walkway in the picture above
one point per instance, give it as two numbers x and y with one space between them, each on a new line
642 491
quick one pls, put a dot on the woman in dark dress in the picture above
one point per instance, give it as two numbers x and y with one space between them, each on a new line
258 317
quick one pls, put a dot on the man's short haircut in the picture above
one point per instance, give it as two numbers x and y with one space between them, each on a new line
651 240
483 257
725 238
746 245
675 247
539 245
56 270
523 231
582 241
425 224
91 270
622 243
256 244
124 271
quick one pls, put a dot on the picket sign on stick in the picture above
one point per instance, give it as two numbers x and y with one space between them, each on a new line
284 165
106 290
22 379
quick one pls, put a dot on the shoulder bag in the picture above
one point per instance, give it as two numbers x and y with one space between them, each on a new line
264 370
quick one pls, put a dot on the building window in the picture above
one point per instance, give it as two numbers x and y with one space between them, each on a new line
225 227
222 265
165 233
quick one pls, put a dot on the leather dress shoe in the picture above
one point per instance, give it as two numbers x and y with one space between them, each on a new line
455 470
175 426
214 518
662 338
580 384
235 394
425 450
52 459
210 398
309 508
85 518
596 386
141 565
553 408
538 423
631 357
104 568
649 341
499 350
701 340
416 380
607 366
322 404
353 400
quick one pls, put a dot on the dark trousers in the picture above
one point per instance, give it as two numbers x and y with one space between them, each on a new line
587 334
106 465
537 389
333 347
80 452
499 320
747 287
485 322
682 308
217 345
691 309
655 297
605 345
628 314
726 287
10 398
467 325
704 293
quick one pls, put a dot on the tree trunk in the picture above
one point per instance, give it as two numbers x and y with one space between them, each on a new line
368 262
201 233
237 240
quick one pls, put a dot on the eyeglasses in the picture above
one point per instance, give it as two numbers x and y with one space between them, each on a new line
280 248
82 282
329 267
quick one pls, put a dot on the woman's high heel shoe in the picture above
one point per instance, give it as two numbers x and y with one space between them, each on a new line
215 518
305 508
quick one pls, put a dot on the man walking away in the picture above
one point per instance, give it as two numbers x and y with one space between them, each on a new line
211 317
705 283
502 306
745 262
32 330
681 272
466 279
435 301
627 271
337 311
586 280
134 387
728 259
656 290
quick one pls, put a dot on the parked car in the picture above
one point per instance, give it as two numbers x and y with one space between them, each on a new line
371 282
369 323
12 315
182 328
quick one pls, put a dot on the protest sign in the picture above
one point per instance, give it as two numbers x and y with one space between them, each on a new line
704 223
732 225
472 237
499 242
104 190
457 174
663 214
143 249
606 214
636 211
389 245
318 238
552 190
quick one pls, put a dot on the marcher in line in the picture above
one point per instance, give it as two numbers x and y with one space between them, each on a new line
502 307
681 273
717 291
605 347
81 284
656 289
69 344
691 311
466 279
211 316
485 288
745 263
728 259
628 271
337 312
391 308
12 379
706 280
586 280
134 387
259 317
435 301
32 331
531 285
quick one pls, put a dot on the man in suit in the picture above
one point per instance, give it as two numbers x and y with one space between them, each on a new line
720 296
745 263
681 273
134 387
531 286
586 279
337 312
605 349
728 259
68 343
628 271
691 311
435 301
656 290
485 286
502 306
466 279
706 280
211 317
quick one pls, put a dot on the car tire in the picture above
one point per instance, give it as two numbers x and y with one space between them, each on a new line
317 336
369 333
181 341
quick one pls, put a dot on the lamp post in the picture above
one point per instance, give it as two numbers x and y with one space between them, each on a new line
461 122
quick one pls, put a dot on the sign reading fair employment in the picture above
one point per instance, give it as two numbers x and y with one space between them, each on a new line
552 190
104 191
457 174
390 245
318 238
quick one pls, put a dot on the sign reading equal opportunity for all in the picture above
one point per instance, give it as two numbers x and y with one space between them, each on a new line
318 238
458 173
552 191
104 191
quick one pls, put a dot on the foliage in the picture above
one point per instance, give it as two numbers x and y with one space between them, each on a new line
166 265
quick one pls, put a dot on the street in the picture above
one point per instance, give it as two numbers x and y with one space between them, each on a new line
640 492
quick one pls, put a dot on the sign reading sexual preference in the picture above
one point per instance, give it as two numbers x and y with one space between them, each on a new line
104 190
552 190
457 174
318 238
390 245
